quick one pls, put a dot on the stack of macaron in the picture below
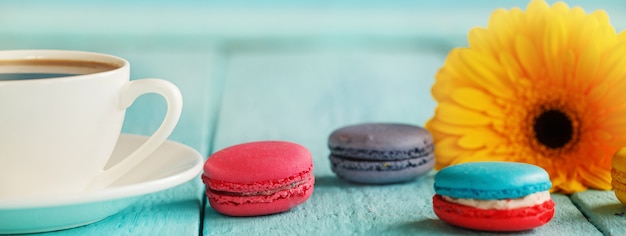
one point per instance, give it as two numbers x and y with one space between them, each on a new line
380 153
493 196
258 178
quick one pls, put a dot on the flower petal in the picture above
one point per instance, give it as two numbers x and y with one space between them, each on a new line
479 38
523 62
501 29
513 69
537 8
449 129
529 59
485 155
447 150
572 185
554 53
587 67
483 71
476 100
601 135
479 138
454 114
596 177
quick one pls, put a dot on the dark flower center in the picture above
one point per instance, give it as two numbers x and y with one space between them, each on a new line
553 129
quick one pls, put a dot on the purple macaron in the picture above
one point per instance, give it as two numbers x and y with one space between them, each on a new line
381 153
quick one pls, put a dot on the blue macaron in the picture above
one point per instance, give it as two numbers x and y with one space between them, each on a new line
493 196
491 180
380 153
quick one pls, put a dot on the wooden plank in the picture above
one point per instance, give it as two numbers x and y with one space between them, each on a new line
305 95
171 212
301 96
566 221
603 210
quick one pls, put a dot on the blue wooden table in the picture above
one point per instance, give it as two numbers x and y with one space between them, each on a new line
294 71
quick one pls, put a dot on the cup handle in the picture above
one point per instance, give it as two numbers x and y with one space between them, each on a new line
129 93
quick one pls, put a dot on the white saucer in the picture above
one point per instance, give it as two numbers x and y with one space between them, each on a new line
170 165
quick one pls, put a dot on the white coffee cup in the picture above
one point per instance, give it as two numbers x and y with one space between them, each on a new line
57 133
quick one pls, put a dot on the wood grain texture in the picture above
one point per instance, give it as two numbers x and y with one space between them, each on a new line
171 212
603 210
302 97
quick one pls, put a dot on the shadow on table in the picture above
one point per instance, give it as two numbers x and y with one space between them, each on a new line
610 210
609 219
331 181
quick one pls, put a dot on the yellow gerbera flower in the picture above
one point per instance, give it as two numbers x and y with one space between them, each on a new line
545 86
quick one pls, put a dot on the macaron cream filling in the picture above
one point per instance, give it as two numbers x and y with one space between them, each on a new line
258 178
493 196
380 153
384 155
503 204
218 185
265 192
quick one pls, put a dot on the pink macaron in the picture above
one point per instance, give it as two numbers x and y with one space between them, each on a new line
258 178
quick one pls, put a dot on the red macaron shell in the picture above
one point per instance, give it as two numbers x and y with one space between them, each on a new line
258 162
261 204
518 219
258 178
